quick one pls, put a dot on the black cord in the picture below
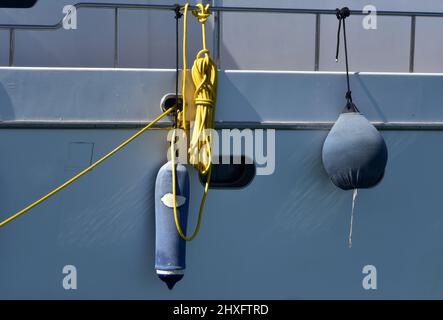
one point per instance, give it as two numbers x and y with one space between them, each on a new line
342 14
338 37
178 15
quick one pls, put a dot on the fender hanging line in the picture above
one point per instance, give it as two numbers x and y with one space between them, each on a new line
204 76
178 15
342 14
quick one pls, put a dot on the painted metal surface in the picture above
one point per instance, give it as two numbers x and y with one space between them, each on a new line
64 95
104 224
289 242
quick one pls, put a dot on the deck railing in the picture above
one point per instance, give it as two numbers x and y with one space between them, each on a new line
217 10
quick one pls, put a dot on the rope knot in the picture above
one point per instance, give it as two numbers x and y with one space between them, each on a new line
204 74
177 11
342 13
202 12
348 96
204 102
204 59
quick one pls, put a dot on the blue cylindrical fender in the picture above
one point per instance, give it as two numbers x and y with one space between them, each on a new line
170 248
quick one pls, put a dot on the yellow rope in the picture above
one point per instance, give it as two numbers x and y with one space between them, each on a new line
174 192
92 166
204 76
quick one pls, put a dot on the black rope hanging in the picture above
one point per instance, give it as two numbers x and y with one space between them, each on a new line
178 15
342 14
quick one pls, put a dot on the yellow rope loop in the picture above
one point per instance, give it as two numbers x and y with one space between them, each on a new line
204 76
174 192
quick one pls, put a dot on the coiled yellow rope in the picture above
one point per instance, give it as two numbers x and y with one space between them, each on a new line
82 173
204 76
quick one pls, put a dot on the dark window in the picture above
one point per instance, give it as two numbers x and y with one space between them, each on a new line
17 3
230 176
